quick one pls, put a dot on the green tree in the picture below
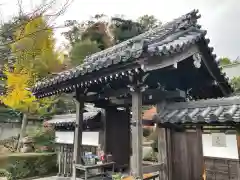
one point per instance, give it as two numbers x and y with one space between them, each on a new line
82 49
149 21
87 37
224 61
95 29
235 82
125 29
73 35
105 33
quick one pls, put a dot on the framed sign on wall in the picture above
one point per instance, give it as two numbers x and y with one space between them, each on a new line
219 140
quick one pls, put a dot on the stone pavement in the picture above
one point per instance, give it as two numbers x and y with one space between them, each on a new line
54 178
64 178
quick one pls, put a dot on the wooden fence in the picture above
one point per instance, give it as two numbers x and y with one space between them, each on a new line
221 168
65 156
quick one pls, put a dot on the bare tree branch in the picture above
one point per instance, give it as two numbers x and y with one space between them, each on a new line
19 3
31 34
39 11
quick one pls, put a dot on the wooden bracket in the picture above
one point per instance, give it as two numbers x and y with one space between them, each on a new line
137 81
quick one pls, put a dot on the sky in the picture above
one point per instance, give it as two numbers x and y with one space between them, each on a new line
219 17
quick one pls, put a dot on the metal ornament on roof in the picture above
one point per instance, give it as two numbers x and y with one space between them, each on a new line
197 57
175 65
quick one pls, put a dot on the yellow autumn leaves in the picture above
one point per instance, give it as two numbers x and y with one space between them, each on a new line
35 57
17 97
34 48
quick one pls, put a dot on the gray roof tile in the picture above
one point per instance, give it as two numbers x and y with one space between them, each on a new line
71 118
172 37
209 111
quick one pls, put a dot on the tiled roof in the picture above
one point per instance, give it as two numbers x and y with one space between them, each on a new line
71 118
168 39
209 111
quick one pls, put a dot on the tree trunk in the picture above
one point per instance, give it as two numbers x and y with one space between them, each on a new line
16 145
22 131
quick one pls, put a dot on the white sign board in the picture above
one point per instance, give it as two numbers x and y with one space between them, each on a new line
88 138
219 140
230 151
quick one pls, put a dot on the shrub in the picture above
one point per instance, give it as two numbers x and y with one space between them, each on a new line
43 138
24 165
146 132
5 173
9 143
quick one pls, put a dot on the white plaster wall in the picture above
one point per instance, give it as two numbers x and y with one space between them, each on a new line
12 129
230 151
6 132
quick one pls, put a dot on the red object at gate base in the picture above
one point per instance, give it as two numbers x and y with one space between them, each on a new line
102 157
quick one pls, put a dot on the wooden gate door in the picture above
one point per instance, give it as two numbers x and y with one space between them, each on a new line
187 155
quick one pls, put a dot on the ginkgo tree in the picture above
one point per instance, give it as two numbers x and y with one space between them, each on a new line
34 48
35 57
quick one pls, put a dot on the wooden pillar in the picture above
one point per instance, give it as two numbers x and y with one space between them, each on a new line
137 134
169 153
102 133
162 146
78 133
201 162
133 149
238 146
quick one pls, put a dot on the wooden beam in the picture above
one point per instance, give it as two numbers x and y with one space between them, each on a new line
162 145
137 134
153 168
149 96
78 133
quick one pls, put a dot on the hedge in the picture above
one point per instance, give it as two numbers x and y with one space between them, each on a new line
17 166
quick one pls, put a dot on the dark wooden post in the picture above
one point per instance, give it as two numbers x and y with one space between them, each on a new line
200 147
102 133
137 134
78 132
238 146
169 153
162 146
